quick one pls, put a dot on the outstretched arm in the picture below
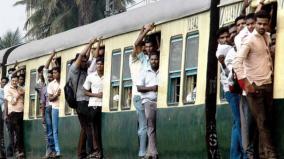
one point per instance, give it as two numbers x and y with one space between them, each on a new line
18 70
46 66
84 52
245 5
143 32
259 6
96 53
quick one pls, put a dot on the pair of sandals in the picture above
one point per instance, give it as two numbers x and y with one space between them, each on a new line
94 155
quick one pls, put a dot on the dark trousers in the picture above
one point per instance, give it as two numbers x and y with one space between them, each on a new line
261 107
16 123
95 122
85 140
2 145
10 147
150 113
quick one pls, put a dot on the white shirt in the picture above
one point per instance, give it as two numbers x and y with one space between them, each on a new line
52 88
223 50
137 65
95 83
148 78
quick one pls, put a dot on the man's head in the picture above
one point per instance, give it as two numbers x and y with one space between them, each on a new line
232 32
11 70
154 60
56 73
250 22
4 81
149 46
100 64
49 76
40 71
273 37
21 80
240 23
14 81
102 51
262 21
223 35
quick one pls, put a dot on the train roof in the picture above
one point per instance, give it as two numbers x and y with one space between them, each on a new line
159 12
227 2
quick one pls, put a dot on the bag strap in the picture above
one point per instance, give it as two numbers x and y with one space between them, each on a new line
78 81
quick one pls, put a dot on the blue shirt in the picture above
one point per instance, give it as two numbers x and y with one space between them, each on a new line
1 96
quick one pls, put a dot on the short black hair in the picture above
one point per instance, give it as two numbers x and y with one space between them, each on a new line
40 68
15 76
155 53
231 26
102 48
50 71
5 78
250 16
11 69
148 39
22 75
222 30
239 18
100 59
56 69
262 14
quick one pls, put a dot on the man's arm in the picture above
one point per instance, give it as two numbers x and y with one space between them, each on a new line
12 98
18 70
84 52
46 66
16 64
96 53
143 32
87 86
239 68
144 89
90 94
245 5
259 6
53 97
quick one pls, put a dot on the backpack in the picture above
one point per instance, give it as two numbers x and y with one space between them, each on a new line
70 94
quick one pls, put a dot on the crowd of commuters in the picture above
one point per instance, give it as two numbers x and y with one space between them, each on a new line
245 53
86 75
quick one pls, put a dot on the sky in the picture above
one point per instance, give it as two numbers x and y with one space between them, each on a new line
11 17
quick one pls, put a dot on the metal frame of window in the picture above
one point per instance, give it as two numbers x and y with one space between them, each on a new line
126 82
67 109
115 83
32 96
173 75
189 71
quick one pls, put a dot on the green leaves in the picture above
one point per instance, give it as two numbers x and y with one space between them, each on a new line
9 39
48 17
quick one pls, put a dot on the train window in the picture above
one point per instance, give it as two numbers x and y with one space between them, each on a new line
127 82
67 109
115 79
33 102
175 69
191 62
